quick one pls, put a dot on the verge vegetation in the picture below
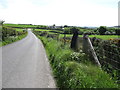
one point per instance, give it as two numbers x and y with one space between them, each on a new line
74 69
9 35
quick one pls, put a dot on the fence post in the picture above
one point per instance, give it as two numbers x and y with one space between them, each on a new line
87 45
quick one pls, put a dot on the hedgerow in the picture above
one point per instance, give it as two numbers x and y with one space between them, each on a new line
9 35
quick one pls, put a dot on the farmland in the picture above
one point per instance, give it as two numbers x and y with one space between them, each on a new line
104 37
67 30
71 66
67 61
74 69
19 25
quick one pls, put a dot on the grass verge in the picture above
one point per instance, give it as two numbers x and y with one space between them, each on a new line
12 39
73 70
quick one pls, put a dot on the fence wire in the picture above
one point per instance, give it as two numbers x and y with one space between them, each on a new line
108 54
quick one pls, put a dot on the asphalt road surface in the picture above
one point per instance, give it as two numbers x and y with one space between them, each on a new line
25 65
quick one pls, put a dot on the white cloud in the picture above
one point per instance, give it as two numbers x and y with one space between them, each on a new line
59 12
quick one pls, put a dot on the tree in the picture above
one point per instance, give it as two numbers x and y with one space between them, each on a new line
1 22
54 25
102 30
65 26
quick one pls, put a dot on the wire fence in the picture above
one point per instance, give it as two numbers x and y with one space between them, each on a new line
108 54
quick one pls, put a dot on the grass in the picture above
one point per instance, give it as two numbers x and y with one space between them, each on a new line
18 29
74 70
19 25
42 30
104 37
67 35
10 34
12 39
0 27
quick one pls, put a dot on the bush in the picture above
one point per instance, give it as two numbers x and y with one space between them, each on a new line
10 35
102 30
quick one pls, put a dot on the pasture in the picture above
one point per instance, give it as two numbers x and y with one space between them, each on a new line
19 25
104 37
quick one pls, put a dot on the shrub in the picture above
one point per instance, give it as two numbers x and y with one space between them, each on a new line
102 30
10 35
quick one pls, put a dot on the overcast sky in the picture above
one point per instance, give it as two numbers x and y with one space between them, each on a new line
60 12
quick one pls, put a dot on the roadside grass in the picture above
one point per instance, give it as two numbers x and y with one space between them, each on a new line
74 70
0 27
18 29
12 39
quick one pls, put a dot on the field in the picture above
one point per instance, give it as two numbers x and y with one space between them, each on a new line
43 30
71 68
18 29
104 37
19 25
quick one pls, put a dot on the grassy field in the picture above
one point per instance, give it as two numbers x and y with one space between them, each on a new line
19 25
42 30
18 29
47 30
104 37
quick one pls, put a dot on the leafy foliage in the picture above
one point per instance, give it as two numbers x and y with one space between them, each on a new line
102 30
10 35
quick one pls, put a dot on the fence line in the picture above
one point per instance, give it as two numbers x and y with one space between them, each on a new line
107 52
89 47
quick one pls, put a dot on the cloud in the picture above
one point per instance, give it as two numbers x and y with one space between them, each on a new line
59 12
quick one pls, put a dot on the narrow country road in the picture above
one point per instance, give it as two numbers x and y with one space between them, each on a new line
25 65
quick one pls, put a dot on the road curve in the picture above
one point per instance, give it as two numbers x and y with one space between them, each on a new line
25 65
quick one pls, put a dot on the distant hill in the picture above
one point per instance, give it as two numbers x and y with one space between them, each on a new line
117 26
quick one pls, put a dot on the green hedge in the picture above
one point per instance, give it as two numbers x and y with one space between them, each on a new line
9 35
